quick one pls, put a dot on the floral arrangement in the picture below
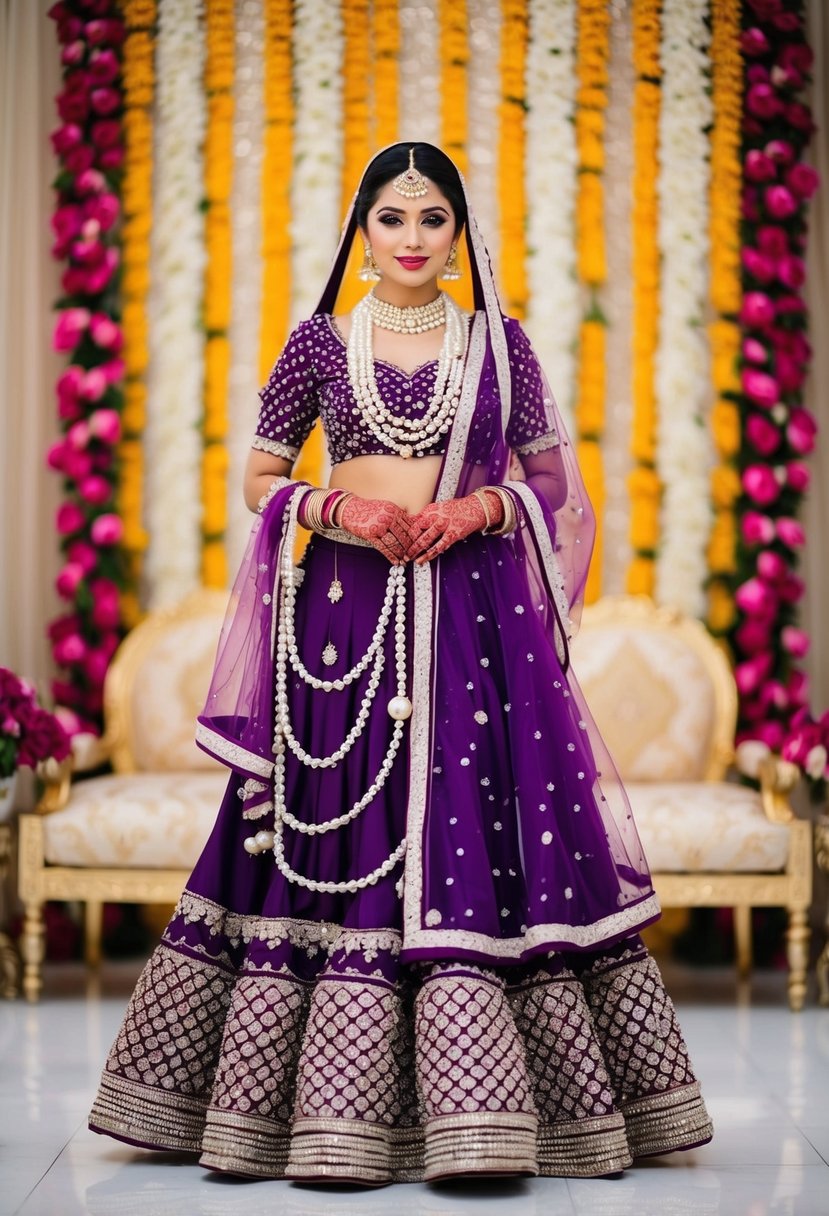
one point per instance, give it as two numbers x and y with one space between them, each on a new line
88 144
777 431
28 733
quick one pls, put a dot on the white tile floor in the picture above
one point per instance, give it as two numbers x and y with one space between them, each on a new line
765 1074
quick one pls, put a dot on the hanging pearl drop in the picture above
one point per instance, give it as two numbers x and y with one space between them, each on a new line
400 708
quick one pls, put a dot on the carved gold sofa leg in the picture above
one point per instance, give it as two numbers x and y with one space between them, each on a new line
93 926
797 947
742 940
33 948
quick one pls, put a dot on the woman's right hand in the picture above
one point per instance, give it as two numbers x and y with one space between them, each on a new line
382 523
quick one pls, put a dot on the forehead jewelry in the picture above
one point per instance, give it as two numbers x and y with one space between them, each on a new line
412 183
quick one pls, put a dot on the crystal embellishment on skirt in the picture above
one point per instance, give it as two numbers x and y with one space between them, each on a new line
335 591
329 655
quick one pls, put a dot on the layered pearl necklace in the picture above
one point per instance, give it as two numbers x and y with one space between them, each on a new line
399 709
407 436
415 319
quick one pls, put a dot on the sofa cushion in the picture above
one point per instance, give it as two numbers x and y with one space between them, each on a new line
134 820
711 826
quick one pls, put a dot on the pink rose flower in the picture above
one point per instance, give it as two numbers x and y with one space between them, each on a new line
76 464
66 221
770 733
103 66
754 351
771 566
802 180
762 101
796 55
801 430
68 579
69 650
798 688
104 208
760 265
69 518
789 304
88 253
73 107
105 425
779 201
93 182
68 383
105 606
760 484
774 694
753 41
78 435
800 117
780 150
798 476
751 673
759 167
65 138
788 22
749 204
757 309
69 720
760 387
111 158
107 529
102 31
113 370
791 589
79 159
762 434
772 240
55 454
105 332
95 664
83 555
70 327
789 371
105 101
95 489
791 271
795 641
753 635
754 597
757 529
106 133
790 532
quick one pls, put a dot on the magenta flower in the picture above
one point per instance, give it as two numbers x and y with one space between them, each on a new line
797 55
772 240
754 42
760 387
760 265
791 271
795 641
69 518
759 167
749 204
78 435
791 589
105 101
779 201
93 182
70 328
101 31
103 66
89 253
802 180
753 635
757 309
754 597
790 372
83 555
790 531
95 664
800 117
754 351
113 370
69 650
105 425
111 158
757 529
73 107
95 490
107 529
771 566
762 101
801 431
54 456
798 476
770 732
76 464
798 687
751 673
760 484
105 607
67 137
79 159
105 332
762 434
104 208
780 150
106 133
787 22
67 221
68 579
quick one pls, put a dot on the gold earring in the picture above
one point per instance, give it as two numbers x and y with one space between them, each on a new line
451 270
369 272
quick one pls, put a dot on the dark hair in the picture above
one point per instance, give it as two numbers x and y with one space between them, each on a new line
432 163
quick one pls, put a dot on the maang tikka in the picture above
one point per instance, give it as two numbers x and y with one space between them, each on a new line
411 183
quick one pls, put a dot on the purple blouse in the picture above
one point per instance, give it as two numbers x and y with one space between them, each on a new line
310 380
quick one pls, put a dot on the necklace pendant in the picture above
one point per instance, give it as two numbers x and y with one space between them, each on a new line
335 591
405 451
329 655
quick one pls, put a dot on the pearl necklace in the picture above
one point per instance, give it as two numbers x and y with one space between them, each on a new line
407 436
399 708
414 319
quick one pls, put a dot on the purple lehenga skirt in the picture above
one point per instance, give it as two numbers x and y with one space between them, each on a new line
279 1032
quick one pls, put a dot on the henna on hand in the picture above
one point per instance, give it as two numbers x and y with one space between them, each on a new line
383 524
441 524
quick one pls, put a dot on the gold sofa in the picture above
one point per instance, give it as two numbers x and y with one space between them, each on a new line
131 836
663 695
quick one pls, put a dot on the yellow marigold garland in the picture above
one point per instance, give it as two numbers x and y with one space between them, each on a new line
218 180
724 333
356 129
276 183
386 31
138 81
592 57
511 139
643 483
454 58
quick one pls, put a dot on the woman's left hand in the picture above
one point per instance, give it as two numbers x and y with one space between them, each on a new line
441 524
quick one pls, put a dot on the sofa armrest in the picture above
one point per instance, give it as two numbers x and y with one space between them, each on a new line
88 753
775 776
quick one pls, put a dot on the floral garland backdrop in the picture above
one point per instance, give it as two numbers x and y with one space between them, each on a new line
339 79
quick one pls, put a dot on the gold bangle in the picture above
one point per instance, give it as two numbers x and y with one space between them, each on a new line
510 520
338 505
480 494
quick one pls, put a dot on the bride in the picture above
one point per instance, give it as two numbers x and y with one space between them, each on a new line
410 947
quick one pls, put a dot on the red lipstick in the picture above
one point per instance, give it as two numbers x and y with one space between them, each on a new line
412 263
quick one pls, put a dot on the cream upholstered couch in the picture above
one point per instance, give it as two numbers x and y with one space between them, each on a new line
135 834
663 696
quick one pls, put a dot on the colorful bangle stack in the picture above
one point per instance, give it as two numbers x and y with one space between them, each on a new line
318 508
509 512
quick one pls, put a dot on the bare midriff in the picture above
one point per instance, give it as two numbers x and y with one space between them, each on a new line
408 482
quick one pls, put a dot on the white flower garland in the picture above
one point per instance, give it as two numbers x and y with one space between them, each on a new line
484 100
554 306
420 70
174 404
684 456
246 221
315 189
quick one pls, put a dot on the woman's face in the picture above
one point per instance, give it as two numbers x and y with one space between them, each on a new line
410 237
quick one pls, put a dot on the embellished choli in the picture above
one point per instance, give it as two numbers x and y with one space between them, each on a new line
310 380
